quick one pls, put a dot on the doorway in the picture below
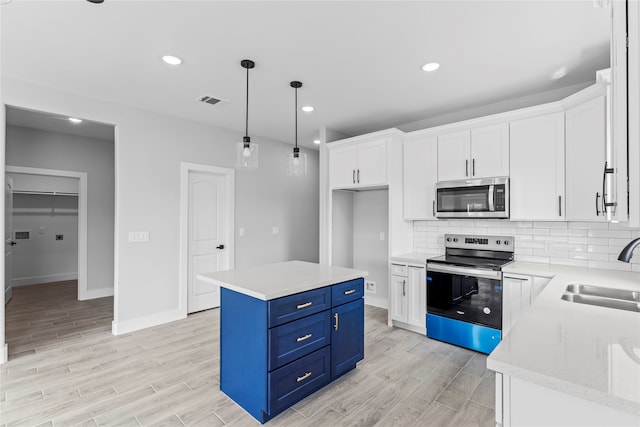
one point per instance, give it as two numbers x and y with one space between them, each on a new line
206 232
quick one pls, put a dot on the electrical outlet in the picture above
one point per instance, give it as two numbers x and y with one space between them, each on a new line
370 287
59 236
382 236
275 230
241 232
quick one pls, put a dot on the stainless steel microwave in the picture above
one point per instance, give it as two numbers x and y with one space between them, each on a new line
473 198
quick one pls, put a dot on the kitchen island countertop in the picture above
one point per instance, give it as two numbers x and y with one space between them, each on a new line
270 281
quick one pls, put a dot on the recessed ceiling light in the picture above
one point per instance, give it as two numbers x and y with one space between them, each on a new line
172 60
559 73
431 66
316 141
75 120
307 108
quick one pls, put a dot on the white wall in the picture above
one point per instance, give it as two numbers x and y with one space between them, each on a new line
42 258
47 150
148 150
370 253
581 244
342 228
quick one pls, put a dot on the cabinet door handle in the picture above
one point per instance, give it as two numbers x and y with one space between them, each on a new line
559 205
353 177
466 167
305 305
473 167
597 197
304 377
358 175
349 292
335 316
433 207
404 289
306 337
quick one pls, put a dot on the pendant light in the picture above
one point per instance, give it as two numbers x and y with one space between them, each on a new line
296 162
246 152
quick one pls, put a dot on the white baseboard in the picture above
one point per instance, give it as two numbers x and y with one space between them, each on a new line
125 326
36 280
8 292
95 293
376 302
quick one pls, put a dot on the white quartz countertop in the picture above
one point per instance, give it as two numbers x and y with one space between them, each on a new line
587 351
412 258
270 281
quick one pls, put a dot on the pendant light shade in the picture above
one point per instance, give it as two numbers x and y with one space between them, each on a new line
246 151
296 162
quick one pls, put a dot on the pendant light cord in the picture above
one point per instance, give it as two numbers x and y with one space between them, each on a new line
246 116
296 117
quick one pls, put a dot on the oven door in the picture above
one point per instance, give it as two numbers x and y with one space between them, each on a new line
466 294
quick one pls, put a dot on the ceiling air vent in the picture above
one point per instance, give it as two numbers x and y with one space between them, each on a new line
209 100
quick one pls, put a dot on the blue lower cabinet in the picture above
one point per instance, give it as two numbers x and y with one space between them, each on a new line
347 337
275 353
298 379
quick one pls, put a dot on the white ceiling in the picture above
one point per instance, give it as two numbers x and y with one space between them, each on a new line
359 61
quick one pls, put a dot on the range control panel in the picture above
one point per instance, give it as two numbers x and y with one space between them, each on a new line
493 243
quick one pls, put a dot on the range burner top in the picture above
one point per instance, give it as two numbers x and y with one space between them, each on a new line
484 252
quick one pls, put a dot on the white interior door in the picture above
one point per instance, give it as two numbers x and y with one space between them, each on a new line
208 231
8 237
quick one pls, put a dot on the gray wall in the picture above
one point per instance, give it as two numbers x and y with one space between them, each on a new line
47 150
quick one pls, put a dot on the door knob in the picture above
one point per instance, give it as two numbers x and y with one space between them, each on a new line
220 247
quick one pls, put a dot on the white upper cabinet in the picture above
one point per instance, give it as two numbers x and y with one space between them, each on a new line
358 164
537 168
454 150
479 153
490 151
419 173
585 147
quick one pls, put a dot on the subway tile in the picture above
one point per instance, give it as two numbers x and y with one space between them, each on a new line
602 249
562 239
502 231
550 253
573 239
549 224
534 231
636 267
576 247
523 238
530 245
619 242
523 251
527 258
601 241
568 232
589 225
626 234
589 256
522 224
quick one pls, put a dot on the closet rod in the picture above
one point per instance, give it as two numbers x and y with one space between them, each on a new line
45 193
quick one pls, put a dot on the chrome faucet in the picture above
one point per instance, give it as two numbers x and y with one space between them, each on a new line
627 252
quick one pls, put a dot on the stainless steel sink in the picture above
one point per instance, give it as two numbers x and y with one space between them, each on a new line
620 299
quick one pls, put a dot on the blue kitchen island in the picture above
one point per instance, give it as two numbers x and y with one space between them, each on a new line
287 330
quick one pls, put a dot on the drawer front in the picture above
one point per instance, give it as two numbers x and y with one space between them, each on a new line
399 270
293 307
298 338
347 291
298 379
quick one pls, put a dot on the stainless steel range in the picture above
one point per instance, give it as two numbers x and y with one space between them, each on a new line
464 291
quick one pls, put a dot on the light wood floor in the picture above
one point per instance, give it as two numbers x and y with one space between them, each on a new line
66 368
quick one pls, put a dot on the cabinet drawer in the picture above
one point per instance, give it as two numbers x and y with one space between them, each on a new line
293 307
399 270
296 339
347 291
298 379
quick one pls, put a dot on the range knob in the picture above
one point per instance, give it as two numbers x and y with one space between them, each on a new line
498 242
455 239
448 239
506 242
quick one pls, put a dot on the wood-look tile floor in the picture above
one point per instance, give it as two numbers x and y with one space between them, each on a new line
67 369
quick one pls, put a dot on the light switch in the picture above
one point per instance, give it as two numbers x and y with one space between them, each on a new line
382 236
41 230
275 230
241 232
138 236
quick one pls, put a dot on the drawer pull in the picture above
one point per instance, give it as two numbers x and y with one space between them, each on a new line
335 316
305 305
304 377
349 292
306 337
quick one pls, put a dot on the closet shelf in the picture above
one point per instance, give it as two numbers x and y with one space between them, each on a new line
45 193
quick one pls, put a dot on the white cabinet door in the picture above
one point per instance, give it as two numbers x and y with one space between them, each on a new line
342 166
454 150
398 298
372 162
586 142
537 168
417 297
420 168
490 151
518 293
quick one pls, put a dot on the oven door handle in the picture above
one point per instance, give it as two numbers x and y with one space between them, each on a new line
466 271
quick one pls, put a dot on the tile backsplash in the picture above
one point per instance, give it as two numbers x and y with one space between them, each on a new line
580 244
